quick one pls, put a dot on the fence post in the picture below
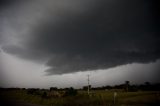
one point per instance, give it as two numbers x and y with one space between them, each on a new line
114 97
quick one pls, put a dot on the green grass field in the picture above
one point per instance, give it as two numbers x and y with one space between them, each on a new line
98 98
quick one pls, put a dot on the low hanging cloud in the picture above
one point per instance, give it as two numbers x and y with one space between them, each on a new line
87 35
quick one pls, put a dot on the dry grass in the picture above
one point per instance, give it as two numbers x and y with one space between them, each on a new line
98 98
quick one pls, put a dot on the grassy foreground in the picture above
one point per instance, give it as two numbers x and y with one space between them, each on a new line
98 98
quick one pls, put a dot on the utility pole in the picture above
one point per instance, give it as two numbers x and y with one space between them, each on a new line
88 84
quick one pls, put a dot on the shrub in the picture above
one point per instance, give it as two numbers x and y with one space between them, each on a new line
71 92
44 95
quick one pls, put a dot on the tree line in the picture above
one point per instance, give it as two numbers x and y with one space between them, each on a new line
127 86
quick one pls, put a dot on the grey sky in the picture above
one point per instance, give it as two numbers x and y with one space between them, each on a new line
63 37
17 72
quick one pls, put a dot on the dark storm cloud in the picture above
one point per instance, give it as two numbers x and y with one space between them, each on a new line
112 33
8 3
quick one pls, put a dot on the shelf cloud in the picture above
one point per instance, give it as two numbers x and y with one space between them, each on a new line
82 35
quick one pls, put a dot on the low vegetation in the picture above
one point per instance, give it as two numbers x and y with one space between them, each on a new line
80 97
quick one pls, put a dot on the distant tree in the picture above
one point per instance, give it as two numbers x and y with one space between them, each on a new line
23 88
33 91
147 86
71 92
53 88
133 88
147 83
30 91
86 87
108 87
127 84
44 95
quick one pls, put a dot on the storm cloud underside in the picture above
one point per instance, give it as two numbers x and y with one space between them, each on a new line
83 36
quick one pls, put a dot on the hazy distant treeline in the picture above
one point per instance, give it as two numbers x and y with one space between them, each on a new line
131 87
147 86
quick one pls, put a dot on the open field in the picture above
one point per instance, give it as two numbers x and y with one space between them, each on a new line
97 98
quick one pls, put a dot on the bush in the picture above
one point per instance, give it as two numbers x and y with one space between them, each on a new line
53 88
33 91
71 92
44 95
